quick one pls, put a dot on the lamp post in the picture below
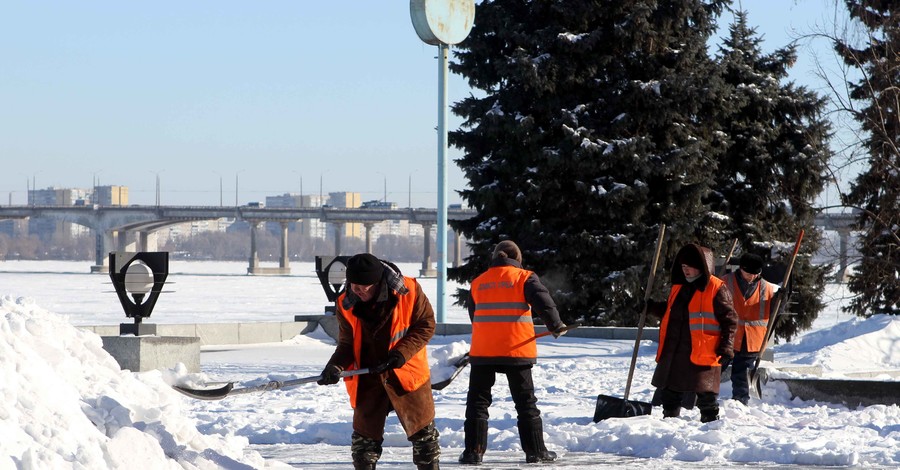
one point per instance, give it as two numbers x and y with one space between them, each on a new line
321 200
385 186
409 188
157 186
301 185
236 173
439 25
221 192
95 181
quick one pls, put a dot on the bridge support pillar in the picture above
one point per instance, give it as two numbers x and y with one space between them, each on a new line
102 247
338 231
148 241
254 267
427 270
457 250
842 252
284 263
368 227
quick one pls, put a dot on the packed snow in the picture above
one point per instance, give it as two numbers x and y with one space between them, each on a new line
66 403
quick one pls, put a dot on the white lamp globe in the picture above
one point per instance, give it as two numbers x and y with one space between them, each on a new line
138 278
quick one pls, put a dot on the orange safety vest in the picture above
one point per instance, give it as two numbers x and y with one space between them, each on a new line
411 375
703 324
753 313
502 325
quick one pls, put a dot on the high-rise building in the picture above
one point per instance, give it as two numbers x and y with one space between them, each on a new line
110 196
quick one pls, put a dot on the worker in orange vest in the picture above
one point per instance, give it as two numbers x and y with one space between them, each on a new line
385 321
501 304
753 299
695 333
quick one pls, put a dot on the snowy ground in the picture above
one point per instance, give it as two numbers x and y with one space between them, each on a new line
66 404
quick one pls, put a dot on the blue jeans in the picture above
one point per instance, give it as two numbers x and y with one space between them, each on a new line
741 367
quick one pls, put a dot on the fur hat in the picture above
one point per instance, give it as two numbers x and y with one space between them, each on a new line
364 269
751 263
507 249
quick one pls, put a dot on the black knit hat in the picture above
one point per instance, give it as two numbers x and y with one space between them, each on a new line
751 263
364 269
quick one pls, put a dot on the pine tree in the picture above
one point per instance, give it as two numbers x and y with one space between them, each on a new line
876 191
593 129
775 164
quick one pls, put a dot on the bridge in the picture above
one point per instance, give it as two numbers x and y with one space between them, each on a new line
132 228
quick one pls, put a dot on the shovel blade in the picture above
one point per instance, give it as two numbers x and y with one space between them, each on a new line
614 407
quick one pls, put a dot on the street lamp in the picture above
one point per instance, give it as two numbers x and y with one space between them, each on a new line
95 181
301 185
385 185
409 204
321 200
157 186
220 188
236 173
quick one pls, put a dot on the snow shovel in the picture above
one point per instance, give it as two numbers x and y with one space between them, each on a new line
613 407
228 389
463 361
781 302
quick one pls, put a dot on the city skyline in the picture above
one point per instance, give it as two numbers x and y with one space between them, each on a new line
259 98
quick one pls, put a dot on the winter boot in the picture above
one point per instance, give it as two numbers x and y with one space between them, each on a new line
476 441
531 433
708 416
671 412
426 448
365 452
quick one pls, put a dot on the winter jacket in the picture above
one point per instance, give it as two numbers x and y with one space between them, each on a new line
675 368
367 332
753 311
501 303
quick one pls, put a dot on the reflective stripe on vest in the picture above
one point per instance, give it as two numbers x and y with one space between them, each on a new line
753 313
411 375
502 324
704 327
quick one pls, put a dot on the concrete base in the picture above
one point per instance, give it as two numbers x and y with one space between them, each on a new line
851 393
99 269
137 329
267 271
430 272
144 353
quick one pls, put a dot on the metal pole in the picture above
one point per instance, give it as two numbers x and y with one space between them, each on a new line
443 52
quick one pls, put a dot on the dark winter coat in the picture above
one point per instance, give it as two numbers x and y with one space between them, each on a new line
674 369
542 305
415 409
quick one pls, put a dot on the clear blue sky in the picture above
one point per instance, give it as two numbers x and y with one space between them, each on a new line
275 92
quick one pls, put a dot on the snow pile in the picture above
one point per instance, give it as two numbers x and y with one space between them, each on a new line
857 344
445 359
65 403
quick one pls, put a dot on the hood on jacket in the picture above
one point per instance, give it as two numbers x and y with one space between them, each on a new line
693 254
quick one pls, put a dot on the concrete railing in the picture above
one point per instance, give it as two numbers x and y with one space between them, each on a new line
274 332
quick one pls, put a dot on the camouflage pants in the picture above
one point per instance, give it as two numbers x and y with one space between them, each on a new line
365 451
426 447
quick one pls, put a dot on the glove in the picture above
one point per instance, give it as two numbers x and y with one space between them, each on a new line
560 330
725 351
330 375
394 360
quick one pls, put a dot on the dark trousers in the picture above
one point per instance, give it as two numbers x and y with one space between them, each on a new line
706 402
521 387
741 367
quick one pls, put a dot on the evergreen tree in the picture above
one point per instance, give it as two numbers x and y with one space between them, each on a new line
594 128
876 191
775 164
